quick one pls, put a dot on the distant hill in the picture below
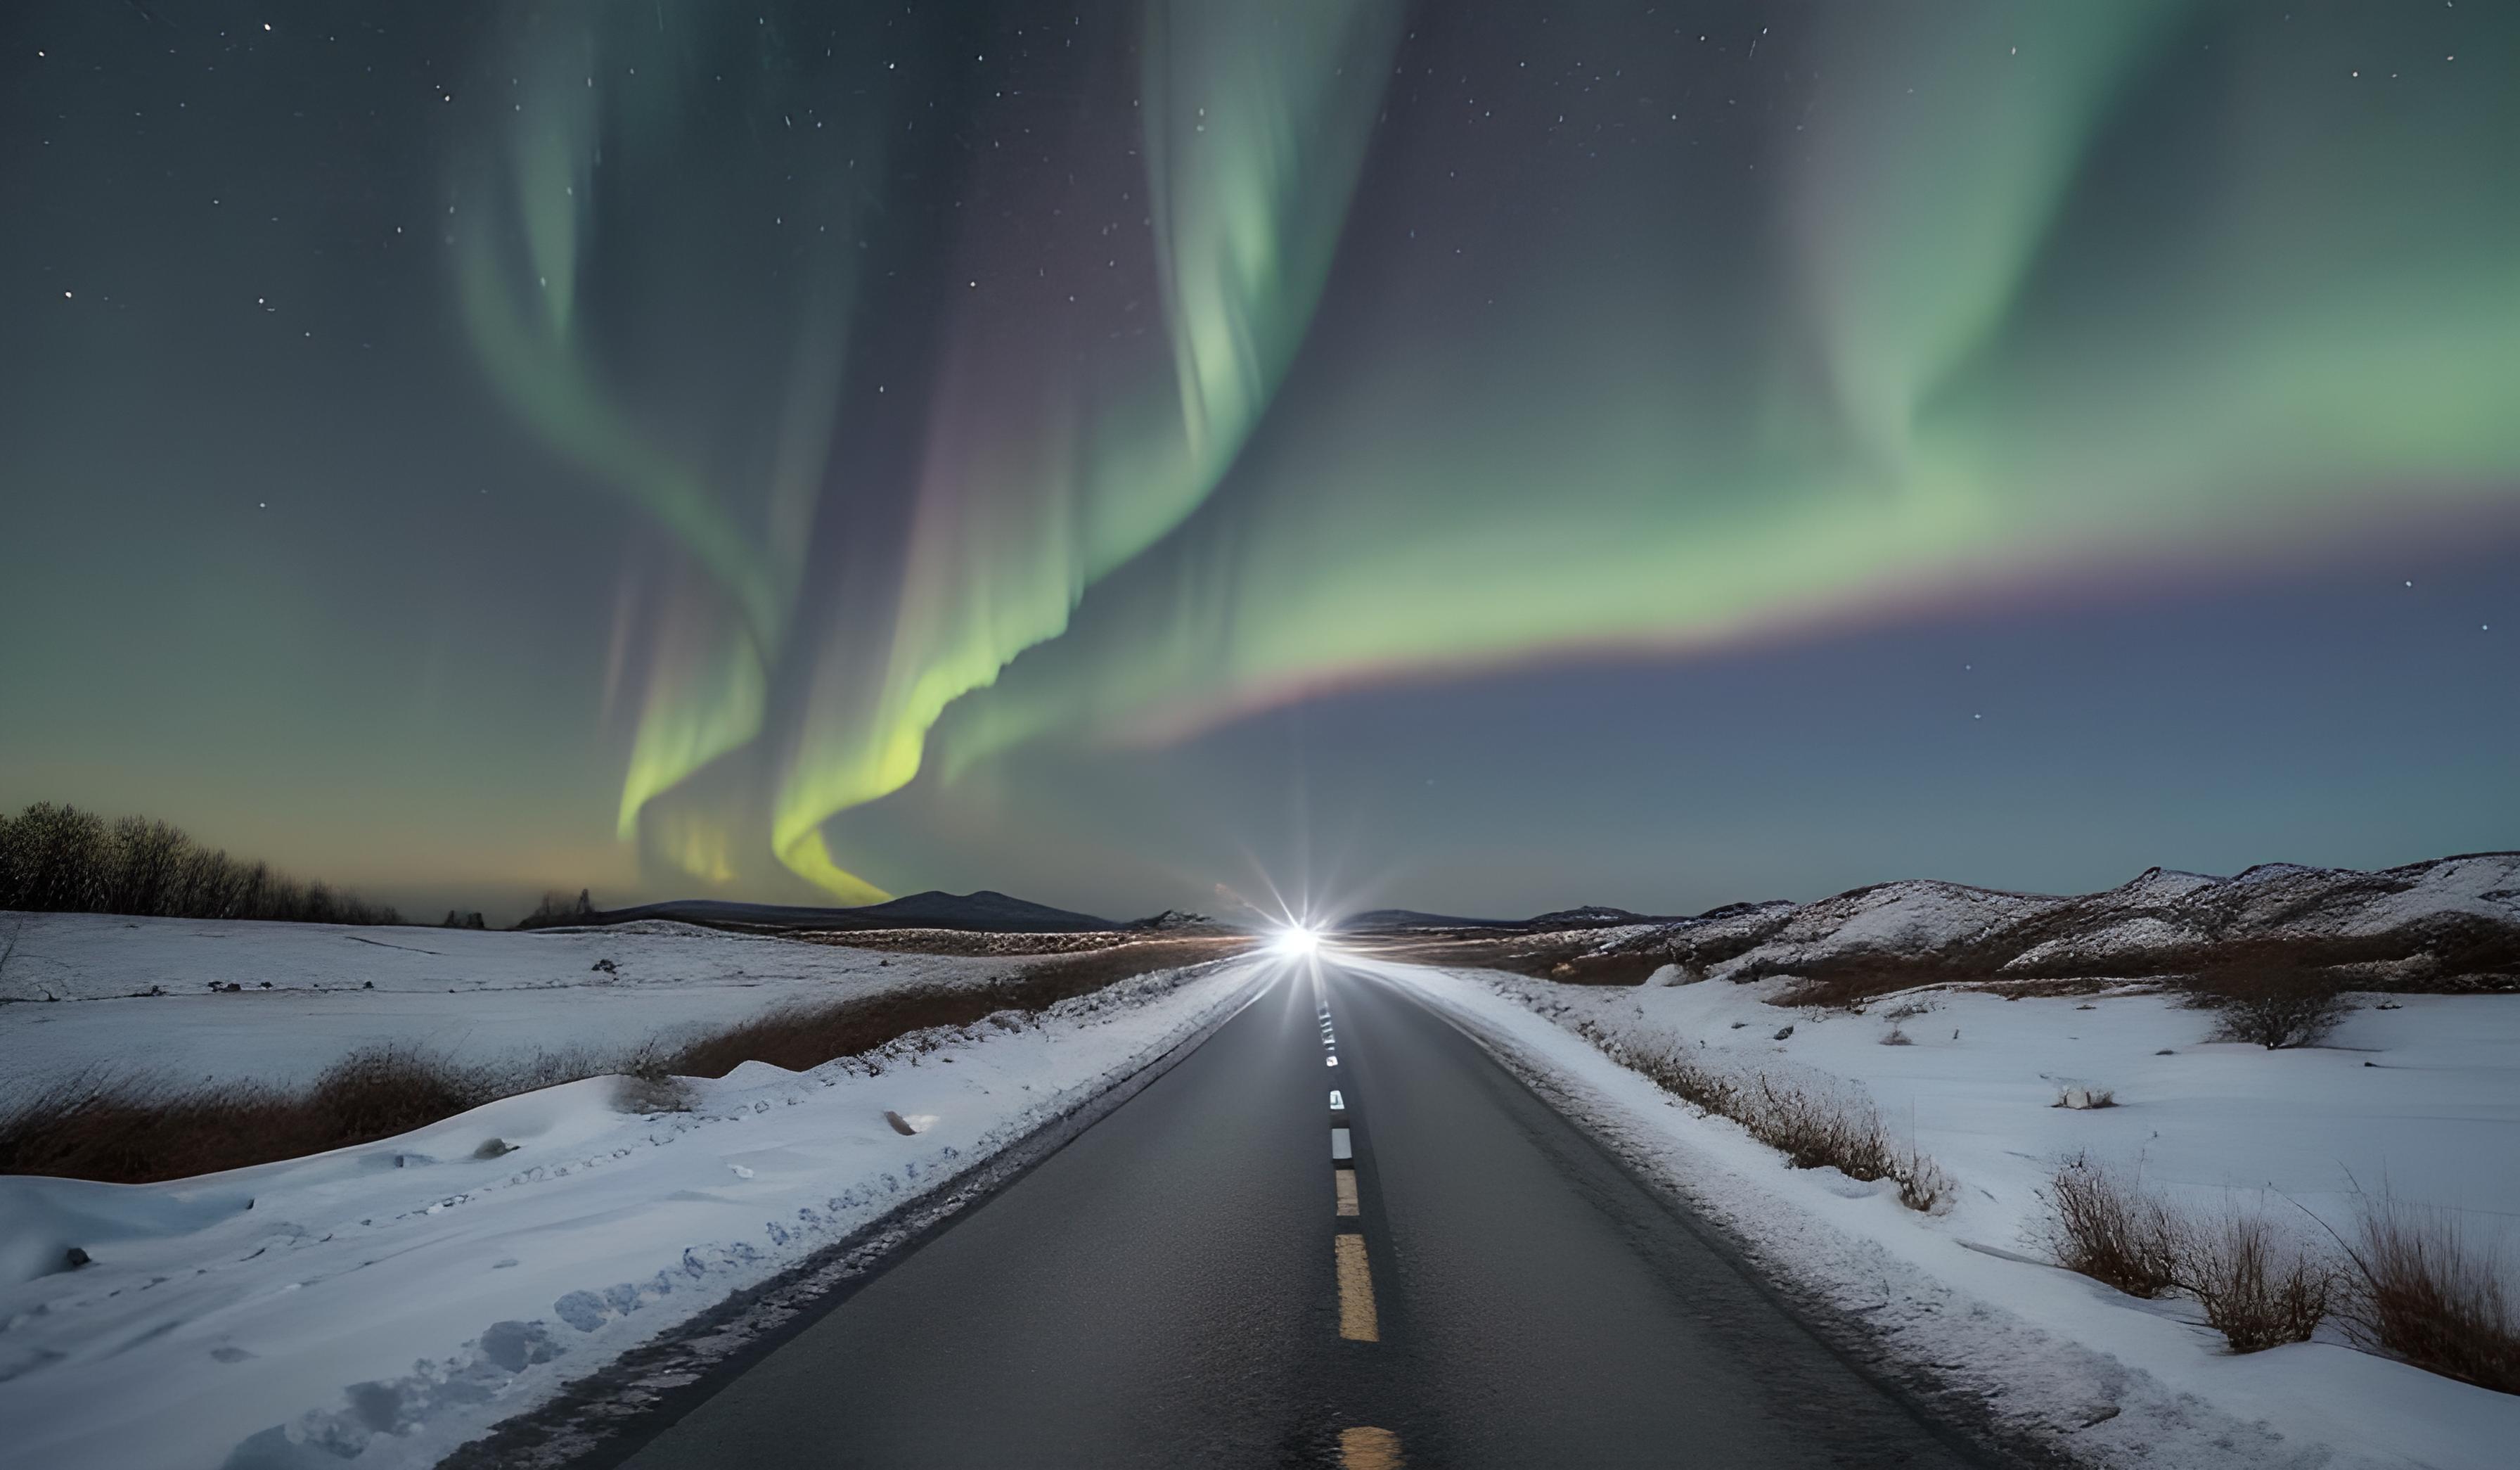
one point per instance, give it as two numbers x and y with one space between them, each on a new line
1389 920
982 912
2453 923
1588 916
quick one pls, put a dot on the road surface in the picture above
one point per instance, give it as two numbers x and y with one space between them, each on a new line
1202 1280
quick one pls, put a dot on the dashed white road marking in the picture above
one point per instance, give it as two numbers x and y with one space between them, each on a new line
1339 1146
1332 1061
1337 1105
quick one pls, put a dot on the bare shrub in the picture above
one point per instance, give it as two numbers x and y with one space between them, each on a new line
2260 1286
2421 1291
379 1091
2109 1229
648 1086
1845 985
1897 1036
2272 1007
1814 1128
1924 1185
2082 1096
1812 1125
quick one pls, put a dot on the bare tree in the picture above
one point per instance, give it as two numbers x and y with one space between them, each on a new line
57 859
2272 1007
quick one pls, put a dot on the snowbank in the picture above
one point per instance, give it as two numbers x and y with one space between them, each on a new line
2424 1099
379 1305
479 995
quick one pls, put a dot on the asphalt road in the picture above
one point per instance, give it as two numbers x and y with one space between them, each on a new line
1181 1286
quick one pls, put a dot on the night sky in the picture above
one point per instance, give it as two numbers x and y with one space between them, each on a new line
1477 456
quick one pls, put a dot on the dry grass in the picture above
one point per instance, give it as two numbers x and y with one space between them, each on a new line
2109 1227
2260 1287
1812 1125
138 1132
2421 1291
133 1131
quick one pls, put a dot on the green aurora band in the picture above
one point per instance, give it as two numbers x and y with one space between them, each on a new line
1942 338
1255 126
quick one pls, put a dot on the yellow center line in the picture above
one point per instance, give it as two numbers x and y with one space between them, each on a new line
1346 1191
1356 1291
1366 1449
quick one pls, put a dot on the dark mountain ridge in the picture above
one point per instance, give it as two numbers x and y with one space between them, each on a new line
983 912
1586 916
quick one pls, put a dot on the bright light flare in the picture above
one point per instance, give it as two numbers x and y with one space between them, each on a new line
1296 942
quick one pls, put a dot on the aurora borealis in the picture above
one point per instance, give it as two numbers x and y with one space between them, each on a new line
1499 455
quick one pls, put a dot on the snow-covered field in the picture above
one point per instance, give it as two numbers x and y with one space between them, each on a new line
382 1303
2424 1100
477 996
379 1305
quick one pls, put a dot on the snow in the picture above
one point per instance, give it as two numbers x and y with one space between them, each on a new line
2127 940
477 995
1901 915
2435 1117
2418 918
378 1306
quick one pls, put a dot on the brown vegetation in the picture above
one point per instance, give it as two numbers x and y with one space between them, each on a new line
61 859
135 1132
2109 1227
2408 1284
2260 1286
1813 1127
138 1131
2421 1291
2272 1007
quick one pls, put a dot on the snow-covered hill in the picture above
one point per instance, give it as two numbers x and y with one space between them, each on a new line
2453 923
